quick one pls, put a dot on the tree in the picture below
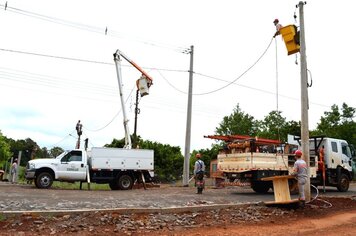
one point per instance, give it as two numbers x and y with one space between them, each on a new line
273 126
55 151
28 147
168 160
237 123
5 152
338 123
206 156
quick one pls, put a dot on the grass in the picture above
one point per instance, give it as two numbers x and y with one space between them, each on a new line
2 217
76 186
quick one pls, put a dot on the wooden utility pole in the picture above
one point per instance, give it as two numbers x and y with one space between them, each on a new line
189 123
304 98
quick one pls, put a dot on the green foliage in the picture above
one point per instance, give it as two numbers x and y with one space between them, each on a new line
206 156
2 217
55 151
28 147
168 160
5 153
275 126
237 123
76 186
338 123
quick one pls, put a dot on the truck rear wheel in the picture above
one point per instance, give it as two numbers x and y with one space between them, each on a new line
343 183
125 182
44 180
261 186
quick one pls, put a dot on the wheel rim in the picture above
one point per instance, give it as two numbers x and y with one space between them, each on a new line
344 183
125 182
45 180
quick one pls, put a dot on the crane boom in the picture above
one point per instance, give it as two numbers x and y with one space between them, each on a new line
142 88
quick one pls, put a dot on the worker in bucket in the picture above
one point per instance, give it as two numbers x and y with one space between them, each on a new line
199 169
301 172
278 27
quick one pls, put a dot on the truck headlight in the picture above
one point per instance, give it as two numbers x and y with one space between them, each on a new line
31 166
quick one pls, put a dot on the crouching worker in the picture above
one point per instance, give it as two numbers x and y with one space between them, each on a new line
199 169
301 172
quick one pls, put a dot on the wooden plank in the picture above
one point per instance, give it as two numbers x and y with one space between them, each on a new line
278 177
281 190
282 203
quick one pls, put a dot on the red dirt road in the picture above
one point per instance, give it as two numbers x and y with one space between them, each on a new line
332 225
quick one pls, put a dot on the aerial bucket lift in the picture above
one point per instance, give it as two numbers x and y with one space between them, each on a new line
143 84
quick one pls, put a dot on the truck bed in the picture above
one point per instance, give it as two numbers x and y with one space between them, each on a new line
122 159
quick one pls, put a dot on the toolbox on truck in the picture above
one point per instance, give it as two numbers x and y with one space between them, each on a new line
119 158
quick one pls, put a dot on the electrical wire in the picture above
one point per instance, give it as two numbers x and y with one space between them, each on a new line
92 29
116 115
54 145
278 127
170 84
83 60
56 57
243 73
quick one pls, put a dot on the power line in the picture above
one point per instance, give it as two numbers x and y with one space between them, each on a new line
82 60
243 73
94 29
56 57
96 130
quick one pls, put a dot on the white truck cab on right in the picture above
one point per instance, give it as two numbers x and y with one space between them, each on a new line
337 161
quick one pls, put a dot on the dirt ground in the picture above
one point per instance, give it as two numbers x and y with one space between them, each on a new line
324 216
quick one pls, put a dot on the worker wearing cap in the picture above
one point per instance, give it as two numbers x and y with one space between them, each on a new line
278 27
199 168
301 172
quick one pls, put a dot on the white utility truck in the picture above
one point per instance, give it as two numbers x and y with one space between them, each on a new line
245 160
118 167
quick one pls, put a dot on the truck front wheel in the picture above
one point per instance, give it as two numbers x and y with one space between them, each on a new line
125 182
44 180
343 183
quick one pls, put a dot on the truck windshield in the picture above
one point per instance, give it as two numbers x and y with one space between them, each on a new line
72 156
346 150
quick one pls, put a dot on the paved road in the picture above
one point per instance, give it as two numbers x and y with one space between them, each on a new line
28 198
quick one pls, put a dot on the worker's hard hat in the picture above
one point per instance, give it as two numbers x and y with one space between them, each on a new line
298 153
275 21
198 155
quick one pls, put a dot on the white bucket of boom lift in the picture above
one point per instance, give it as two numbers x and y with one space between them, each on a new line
143 85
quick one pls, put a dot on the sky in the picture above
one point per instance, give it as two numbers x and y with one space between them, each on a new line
43 97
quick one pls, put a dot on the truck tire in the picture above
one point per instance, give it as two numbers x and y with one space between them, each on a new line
343 183
125 182
113 185
261 186
44 180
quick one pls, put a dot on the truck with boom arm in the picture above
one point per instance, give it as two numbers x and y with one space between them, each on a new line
245 160
118 167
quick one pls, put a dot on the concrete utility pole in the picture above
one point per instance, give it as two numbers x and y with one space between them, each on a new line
18 164
189 123
304 99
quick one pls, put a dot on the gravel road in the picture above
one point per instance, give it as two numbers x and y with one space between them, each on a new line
17 197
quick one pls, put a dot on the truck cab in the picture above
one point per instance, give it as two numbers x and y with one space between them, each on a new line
69 166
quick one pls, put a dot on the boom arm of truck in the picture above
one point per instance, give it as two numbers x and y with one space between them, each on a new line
142 87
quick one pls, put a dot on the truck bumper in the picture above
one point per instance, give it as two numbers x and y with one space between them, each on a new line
30 174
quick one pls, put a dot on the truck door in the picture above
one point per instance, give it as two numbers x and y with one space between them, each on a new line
72 167
346 156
